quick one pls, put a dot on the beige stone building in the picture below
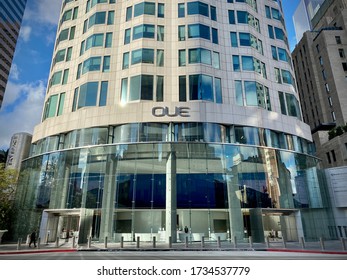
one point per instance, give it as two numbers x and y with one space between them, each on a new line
162 115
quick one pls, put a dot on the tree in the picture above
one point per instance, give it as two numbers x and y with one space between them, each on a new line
8 180
3 156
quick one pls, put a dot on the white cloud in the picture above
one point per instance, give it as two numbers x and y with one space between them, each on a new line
14 73
21 110
46 11
25 32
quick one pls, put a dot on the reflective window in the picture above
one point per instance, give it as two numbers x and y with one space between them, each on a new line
91 64
144 31
108 40
56 78
161 10
97 18
125 60
160 89
231 14
201 87
141 88
233 38
197 8
88 94
129 13
181 10
144 8
199 31
142 56
61 104
103 93
127 36
160 58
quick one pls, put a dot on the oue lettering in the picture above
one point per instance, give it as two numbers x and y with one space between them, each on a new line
165 111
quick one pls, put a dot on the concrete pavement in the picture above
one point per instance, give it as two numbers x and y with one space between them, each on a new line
337 247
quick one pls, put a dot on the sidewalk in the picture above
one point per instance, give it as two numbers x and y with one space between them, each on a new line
329 247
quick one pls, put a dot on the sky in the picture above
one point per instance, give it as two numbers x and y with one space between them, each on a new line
25 91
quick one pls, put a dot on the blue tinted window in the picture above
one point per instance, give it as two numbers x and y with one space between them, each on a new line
88 94
144 31
142 56
242 17
198 31
201 87
245 39
144 8
127 35
161 8
181 10
91 64
236 63
214 36
213 13
247 63
279 33
103 94
271 31
233 38
195 8
231 14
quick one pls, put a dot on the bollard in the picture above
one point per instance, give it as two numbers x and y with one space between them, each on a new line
322 245
19 243
170 242
302 242
105 242
218 242
154 245
250 242
138 242
57 242
73 242
202 241
267 240
38 243
122 242
343 244
186 240
89 242
284 242
235 242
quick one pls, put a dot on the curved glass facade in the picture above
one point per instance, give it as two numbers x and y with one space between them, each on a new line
122 190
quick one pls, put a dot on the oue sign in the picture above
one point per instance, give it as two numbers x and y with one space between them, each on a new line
165 111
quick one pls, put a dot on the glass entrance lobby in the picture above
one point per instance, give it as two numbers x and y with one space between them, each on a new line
159 189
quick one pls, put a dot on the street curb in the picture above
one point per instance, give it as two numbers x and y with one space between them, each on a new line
38 251
306 251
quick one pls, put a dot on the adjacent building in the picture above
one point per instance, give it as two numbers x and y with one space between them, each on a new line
303 15
19 150
11 14
320 65
161 115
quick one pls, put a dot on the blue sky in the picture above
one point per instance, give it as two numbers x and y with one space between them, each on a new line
26 88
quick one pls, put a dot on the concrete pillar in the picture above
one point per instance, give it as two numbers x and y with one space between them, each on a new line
171 200
235 214
108 199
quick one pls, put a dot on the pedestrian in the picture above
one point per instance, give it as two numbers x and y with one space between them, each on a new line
33 238
186 229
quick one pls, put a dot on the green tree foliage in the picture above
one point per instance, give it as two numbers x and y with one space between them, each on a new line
8 180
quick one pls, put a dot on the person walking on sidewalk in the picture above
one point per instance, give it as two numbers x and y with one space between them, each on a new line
33 238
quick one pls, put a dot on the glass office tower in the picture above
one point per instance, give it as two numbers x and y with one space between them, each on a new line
11 14
162 115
